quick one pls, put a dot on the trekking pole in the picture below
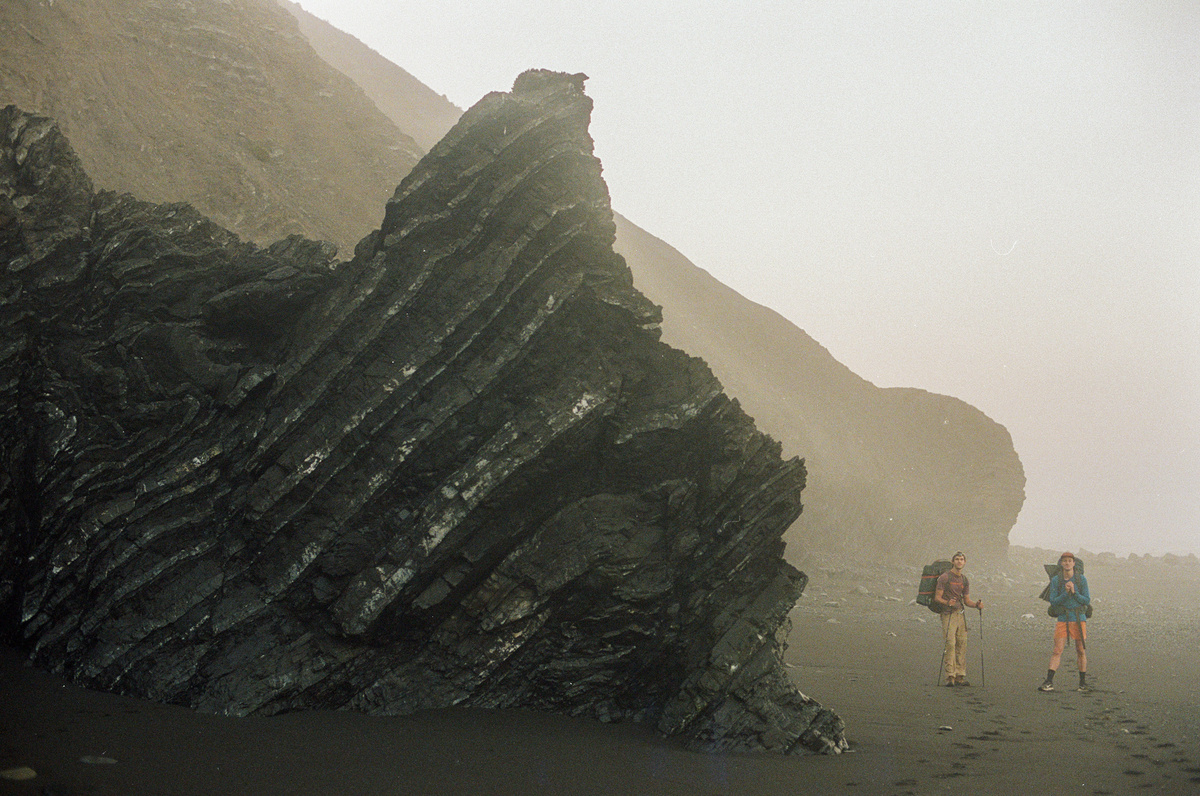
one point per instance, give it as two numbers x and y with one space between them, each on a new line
982 670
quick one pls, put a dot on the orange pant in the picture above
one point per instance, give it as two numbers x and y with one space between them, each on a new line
1065 630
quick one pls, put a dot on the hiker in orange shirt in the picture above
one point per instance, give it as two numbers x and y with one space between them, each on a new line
952 595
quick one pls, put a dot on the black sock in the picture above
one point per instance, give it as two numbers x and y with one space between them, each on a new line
1082 677
1049 675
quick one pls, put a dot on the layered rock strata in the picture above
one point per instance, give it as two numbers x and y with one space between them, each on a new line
460 469
223 104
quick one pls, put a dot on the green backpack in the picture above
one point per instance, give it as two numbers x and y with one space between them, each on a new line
928 585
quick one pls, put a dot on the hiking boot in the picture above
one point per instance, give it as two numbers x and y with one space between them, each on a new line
962 681
1046 686
949 683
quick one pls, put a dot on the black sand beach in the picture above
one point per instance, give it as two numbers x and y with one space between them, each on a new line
857 645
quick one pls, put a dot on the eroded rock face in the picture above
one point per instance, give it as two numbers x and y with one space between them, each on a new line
460 469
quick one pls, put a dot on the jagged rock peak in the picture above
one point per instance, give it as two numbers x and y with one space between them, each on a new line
460 469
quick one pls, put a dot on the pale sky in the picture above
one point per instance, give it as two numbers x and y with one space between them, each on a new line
998 201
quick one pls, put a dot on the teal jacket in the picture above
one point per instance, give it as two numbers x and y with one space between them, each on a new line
1073 605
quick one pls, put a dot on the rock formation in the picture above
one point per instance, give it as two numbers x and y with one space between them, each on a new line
899 475
226 106
459 469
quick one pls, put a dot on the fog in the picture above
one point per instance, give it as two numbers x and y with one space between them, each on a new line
999 202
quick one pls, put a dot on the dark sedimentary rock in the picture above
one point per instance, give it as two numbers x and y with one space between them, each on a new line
460 469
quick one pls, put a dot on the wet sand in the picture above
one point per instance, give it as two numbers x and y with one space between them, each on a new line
868 656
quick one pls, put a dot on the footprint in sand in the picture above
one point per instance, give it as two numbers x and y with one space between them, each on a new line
19 774
988 735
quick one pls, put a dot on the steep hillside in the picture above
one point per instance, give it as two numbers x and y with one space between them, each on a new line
414 107
222 104
892 472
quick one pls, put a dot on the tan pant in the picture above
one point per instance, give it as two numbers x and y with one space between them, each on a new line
954 631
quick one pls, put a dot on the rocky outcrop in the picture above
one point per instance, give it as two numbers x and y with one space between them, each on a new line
898 475
225 105
460 469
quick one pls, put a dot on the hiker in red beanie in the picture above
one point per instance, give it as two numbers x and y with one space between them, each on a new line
1069 600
